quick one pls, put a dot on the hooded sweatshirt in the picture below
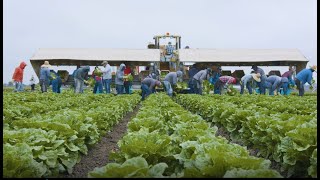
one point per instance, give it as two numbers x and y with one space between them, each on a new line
201 75
150 82
172 77
18 72
119 75
81 73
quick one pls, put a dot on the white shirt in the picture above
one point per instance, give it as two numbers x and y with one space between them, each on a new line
106 72
32 81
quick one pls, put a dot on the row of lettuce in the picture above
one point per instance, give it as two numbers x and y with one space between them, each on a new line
165 140
48 133
283 129
45 134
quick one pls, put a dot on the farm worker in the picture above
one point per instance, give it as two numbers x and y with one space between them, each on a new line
191 73
74 85
288 75
304 76
80 76
127 83
215 75
148 86
273 84
263 78
152 75
198 80
284 85
223 82
169 55
44 76
17 77
119 80
170 81
55 81
169 49
32 82
246 80
107 76
97 76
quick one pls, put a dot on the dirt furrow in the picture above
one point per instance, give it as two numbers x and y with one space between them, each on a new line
98 155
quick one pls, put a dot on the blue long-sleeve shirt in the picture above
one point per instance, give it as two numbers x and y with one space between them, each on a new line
247 78
305 76
44 73
275 82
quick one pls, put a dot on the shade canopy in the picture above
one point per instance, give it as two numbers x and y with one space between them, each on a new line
240 55
93 56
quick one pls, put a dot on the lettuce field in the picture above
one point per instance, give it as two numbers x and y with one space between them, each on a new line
248 136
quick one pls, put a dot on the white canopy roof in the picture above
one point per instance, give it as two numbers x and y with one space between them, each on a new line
100 54
240 55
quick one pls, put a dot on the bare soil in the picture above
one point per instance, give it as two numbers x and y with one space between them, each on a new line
98 155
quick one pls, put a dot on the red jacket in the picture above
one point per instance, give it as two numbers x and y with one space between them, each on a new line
18 72
127 71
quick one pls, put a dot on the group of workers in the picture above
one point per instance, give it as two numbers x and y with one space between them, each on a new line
197 77
273 83
103 78
47 77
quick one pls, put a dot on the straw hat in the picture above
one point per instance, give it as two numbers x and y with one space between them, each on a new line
46 64
314 67
256 77
104 63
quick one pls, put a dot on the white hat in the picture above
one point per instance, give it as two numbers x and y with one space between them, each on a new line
256 77
46 64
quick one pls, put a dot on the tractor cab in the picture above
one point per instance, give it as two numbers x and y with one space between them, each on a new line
169 54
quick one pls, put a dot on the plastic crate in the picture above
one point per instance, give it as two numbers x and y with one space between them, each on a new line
282 92
257 90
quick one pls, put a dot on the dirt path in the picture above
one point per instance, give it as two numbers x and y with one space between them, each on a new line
99 154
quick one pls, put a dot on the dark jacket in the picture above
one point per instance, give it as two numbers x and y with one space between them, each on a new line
192 72
81 73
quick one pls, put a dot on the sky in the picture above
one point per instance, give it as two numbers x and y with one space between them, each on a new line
32 24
